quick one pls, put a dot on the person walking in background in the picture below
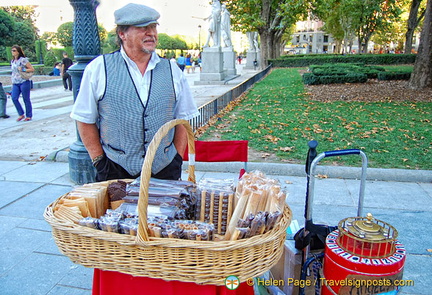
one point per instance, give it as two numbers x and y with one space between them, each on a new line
126 96
66 63
3 101
188 63
20 85
181 62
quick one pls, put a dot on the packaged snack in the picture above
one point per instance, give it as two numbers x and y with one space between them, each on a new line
260 202
216 202
89 222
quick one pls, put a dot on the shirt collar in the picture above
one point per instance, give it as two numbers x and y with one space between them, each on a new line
154 59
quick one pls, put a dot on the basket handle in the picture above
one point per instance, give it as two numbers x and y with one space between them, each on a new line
142 234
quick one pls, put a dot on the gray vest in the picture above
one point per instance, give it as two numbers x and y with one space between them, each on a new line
127 125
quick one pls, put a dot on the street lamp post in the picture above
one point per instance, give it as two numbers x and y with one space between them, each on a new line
86 45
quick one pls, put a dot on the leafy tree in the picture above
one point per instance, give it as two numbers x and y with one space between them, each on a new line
50 38
7 27
422 73
416 14
65 34
362 18
165 41
370 16
337 22
26 14
179 42
270 18
25 37
110 43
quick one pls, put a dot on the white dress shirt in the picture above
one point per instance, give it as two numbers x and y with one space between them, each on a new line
93 82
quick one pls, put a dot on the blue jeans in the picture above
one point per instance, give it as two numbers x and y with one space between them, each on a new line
24 89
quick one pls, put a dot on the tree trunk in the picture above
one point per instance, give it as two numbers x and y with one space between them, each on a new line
360 47
265 52
412 24
422 74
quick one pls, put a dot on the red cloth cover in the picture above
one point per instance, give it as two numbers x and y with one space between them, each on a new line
115 283
220 151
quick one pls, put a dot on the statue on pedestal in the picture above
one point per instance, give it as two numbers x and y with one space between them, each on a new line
214 24
253 41
226 27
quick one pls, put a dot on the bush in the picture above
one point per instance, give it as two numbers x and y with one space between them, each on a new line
385 76
311 79
50 59
371 59
342 73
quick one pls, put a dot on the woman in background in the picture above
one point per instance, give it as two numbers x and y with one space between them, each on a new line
20 85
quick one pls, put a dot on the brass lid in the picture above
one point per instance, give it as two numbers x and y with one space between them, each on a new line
367 228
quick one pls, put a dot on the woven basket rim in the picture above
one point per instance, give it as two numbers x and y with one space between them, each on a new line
123 239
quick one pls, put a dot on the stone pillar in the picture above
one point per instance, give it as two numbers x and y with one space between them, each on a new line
229 61
212 64
86 45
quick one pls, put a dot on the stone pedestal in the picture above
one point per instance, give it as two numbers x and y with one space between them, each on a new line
212 65
252 56
229 58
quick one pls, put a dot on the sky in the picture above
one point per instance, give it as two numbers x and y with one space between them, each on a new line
177 16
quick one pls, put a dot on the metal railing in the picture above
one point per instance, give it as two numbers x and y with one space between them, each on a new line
213 107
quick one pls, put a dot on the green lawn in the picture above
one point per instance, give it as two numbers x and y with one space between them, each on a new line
278 118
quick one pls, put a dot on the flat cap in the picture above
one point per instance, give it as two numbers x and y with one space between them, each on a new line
136 15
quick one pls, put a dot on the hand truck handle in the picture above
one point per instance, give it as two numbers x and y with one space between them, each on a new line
341 153
311 184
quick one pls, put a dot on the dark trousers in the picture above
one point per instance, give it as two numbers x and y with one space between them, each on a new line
108 170
68 78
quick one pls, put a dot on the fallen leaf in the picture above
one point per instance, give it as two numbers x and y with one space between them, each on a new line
286 149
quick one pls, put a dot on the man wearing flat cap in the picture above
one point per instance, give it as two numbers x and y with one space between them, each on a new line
126 96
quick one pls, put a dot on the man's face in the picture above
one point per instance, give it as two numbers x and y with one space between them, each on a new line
141 38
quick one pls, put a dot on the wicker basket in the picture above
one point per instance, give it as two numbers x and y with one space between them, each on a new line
201 262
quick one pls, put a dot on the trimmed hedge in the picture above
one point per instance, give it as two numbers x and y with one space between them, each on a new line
343 69
386 76
311 79
371 59
350 73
